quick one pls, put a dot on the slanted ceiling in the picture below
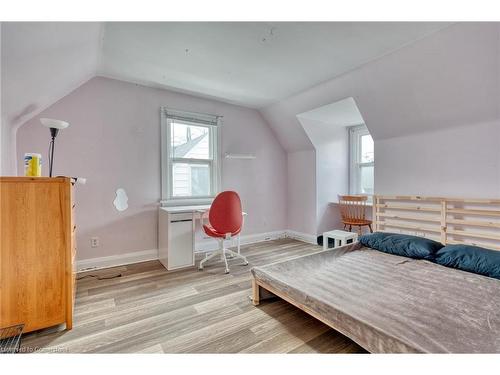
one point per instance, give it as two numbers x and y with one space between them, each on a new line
405 77
249 63
447 80
43 62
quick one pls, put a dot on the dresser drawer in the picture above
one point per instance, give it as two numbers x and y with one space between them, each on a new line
35 225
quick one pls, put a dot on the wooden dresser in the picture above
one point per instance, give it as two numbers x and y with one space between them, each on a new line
37 252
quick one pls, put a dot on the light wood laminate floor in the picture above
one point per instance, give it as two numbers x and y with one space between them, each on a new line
151 310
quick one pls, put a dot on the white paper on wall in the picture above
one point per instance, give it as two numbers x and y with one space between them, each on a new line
121 200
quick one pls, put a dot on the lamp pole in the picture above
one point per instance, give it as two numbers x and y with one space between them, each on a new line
53 134
54 127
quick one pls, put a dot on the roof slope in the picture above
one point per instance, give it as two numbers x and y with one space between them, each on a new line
448 79
43 62
248 63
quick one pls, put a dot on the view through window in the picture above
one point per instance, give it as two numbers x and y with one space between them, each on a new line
190 169
362 163
191 160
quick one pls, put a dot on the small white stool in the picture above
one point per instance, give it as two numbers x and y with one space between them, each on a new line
340 238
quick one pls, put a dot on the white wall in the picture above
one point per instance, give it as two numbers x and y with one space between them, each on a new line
6 135
6 150
113 140
301 191
332 176
331 142
462 161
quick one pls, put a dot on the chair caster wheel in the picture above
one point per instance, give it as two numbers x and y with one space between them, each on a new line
246 264
200 268
226 272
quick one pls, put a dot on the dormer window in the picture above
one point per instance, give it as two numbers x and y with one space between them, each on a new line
362 161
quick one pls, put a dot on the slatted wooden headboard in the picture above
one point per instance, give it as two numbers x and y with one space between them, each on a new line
447 220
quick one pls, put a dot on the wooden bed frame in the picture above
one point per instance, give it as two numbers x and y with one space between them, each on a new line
447 220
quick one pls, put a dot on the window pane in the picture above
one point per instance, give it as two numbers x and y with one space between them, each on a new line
190 141
367 155
200 180
366 180
190 180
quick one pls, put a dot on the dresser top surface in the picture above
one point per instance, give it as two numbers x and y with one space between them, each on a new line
34 179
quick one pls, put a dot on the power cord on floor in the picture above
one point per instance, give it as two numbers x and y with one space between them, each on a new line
100 277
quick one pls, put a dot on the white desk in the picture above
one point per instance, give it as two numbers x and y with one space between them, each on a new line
176 235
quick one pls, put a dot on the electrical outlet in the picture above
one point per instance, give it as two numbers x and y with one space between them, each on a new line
94 242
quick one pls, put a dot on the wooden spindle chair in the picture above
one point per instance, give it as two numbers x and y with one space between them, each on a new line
352 211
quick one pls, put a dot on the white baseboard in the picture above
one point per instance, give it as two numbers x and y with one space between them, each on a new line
209 245
116 260
304 237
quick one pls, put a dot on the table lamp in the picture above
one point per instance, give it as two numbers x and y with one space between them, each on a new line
54 126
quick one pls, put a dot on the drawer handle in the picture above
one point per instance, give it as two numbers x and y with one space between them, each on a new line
74 228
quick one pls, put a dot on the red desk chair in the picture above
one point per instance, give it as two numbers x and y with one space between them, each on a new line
225 220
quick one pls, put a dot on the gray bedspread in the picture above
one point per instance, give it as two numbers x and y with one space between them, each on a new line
392 304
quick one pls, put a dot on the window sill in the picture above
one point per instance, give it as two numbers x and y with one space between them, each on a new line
186 202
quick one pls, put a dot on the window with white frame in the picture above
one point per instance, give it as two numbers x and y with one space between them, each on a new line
362 161
190 157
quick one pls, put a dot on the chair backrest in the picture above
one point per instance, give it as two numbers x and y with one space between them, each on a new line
226 215
352 207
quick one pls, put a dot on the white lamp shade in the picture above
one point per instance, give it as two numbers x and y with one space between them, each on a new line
55 124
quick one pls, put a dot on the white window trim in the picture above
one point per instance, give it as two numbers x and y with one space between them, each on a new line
167 162
355 134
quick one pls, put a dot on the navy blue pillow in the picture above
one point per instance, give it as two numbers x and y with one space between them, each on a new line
470 258
402 244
